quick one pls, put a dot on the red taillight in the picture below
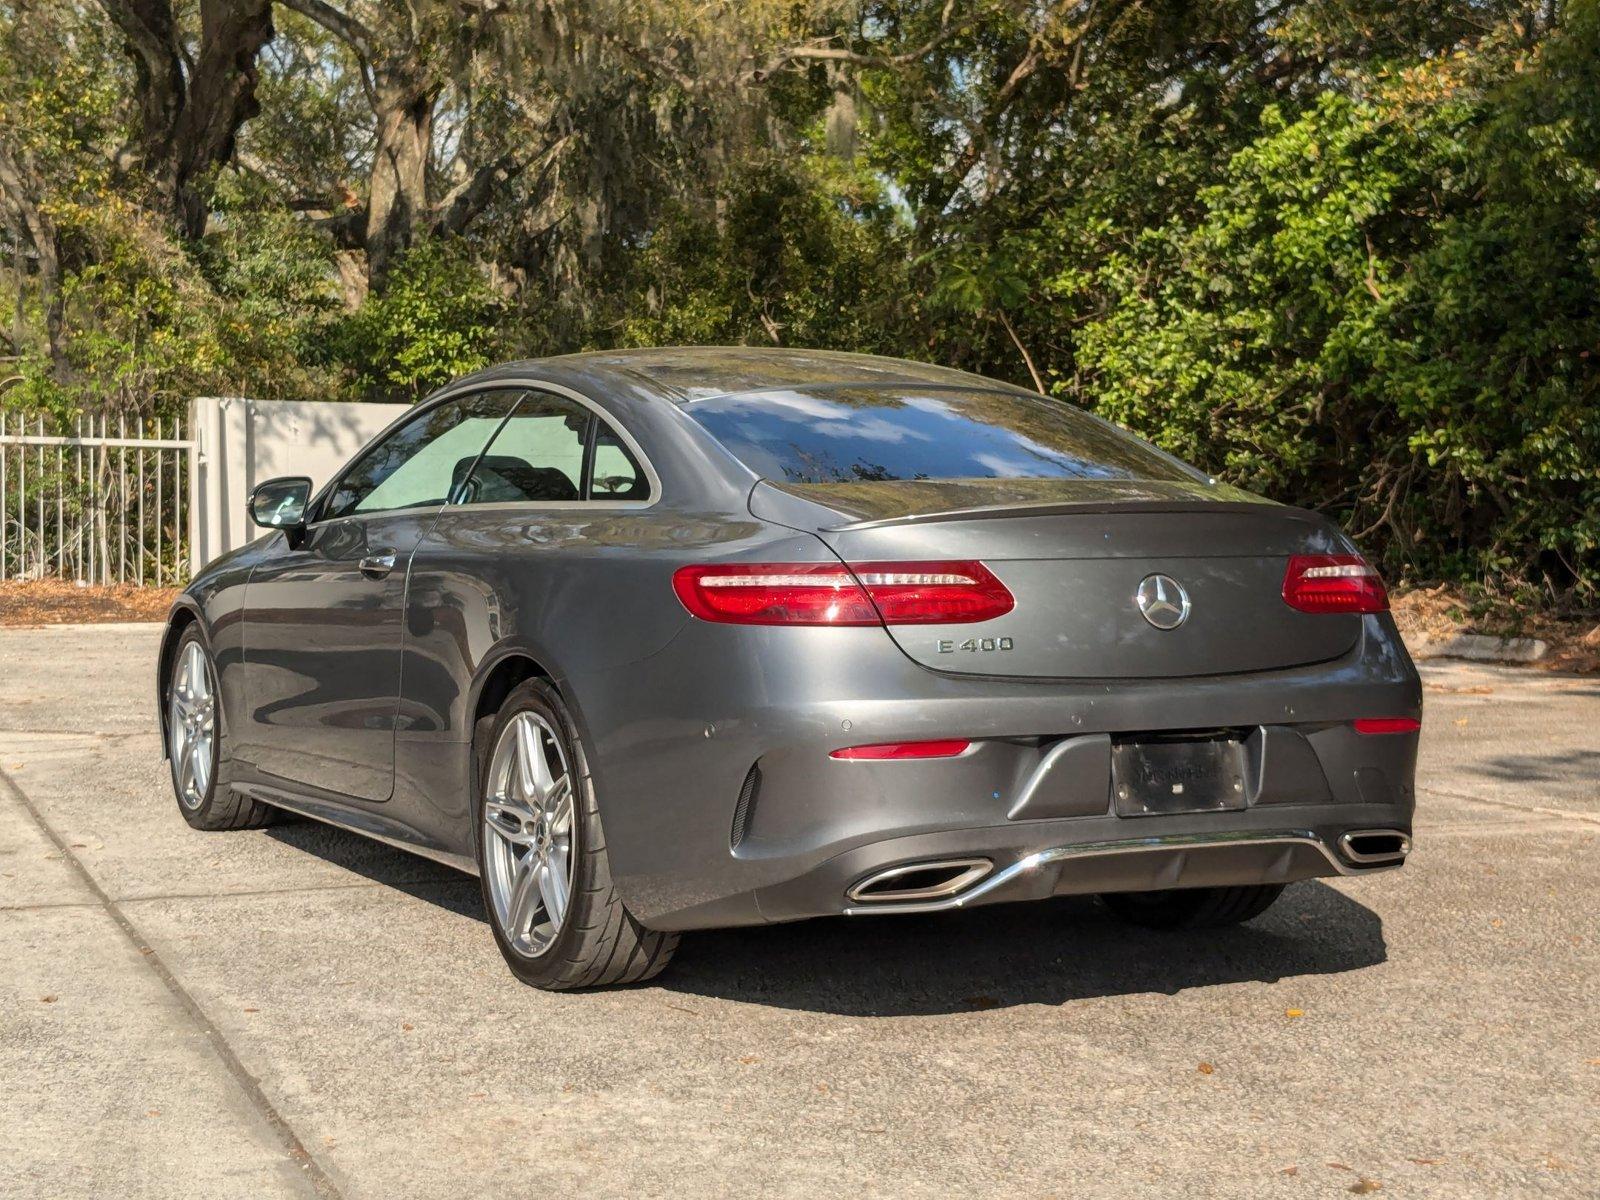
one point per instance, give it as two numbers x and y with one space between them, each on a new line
1333 583
945 748
1387 725
873 593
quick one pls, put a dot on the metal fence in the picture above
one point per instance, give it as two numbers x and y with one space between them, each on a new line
104 500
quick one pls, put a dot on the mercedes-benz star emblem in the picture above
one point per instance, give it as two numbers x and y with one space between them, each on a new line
1162 601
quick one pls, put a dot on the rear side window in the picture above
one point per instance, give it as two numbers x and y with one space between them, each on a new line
846 435
553 450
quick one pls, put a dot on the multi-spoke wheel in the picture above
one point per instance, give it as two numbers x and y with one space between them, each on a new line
192 725
195 743
541 852
528 842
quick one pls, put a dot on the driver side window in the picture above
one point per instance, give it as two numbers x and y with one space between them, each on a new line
419 464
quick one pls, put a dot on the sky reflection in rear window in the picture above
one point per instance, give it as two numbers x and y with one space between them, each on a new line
846 435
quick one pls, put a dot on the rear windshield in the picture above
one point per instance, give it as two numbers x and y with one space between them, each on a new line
842 435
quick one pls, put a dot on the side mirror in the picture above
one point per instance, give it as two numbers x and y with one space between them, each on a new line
281 503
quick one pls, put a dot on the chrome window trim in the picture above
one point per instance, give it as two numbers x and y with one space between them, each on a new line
455 392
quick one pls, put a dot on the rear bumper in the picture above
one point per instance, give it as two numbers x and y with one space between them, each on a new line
722 806
1147 862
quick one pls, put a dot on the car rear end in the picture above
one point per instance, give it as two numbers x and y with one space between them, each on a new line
1110 675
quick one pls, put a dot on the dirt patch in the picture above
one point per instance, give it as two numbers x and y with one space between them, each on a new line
54 602
1442 612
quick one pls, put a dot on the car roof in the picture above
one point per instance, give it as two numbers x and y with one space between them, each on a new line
684 374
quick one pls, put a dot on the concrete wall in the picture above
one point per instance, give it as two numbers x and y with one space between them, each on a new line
242 442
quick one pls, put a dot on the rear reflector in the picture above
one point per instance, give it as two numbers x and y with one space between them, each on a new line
873 593
1388 725
1333 583
947 748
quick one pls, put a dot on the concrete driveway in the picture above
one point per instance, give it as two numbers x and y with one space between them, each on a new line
300 1012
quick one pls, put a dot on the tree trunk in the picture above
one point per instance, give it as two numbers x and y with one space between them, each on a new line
188 119
398 201
21 192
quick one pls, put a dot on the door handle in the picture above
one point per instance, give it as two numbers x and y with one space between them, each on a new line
377 565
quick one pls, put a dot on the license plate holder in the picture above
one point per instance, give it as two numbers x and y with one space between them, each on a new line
1159 778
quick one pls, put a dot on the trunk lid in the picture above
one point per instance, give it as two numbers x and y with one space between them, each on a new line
1075 553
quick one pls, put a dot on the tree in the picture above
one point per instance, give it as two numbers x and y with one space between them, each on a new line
191 101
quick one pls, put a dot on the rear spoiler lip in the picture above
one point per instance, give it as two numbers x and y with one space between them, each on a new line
1082 508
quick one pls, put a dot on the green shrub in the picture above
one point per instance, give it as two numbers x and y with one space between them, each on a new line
1388 309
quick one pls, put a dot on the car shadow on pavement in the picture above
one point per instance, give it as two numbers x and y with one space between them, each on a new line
1008 954
1050 952
1541 768
405 872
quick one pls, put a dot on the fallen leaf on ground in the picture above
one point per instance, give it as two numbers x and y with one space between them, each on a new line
1206 1068
252 1010
1290 1170
408 1027
1294 1012
47 999
747 1059
1338 1166
1365 1187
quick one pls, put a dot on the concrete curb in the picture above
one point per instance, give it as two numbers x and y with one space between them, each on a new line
68 627
1476 647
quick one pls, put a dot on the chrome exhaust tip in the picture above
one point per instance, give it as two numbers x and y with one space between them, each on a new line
1374 847
934 880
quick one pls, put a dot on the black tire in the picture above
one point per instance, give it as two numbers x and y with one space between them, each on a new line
600 943
1193 908
216 806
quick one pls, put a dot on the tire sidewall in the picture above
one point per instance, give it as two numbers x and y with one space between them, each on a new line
538 697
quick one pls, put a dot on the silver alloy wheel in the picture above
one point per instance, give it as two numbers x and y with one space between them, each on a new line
191 725
528 843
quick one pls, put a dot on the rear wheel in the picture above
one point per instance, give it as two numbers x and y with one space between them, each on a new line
1193 908
547 886
195 744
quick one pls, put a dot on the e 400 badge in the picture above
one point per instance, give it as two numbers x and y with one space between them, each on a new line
975 645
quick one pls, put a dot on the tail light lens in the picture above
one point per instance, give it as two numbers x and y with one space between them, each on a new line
873 593
1333 583
944 748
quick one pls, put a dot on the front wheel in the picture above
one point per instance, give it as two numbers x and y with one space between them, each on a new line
542 860
195 734
1193 908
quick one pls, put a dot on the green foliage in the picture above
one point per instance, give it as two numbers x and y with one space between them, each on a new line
437 319
801 255
1388 306
1348 255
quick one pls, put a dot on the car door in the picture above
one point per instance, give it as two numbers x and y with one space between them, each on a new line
323 617
550 495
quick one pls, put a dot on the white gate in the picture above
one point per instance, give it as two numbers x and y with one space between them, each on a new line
102 501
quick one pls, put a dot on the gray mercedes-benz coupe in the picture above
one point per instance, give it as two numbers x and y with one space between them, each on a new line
660 640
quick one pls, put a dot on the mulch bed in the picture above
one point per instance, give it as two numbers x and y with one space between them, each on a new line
54 602
1441 612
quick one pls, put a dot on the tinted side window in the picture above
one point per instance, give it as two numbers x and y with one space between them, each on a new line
541 453
615 474
420 463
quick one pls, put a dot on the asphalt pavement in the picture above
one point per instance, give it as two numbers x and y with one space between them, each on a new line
299 1012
